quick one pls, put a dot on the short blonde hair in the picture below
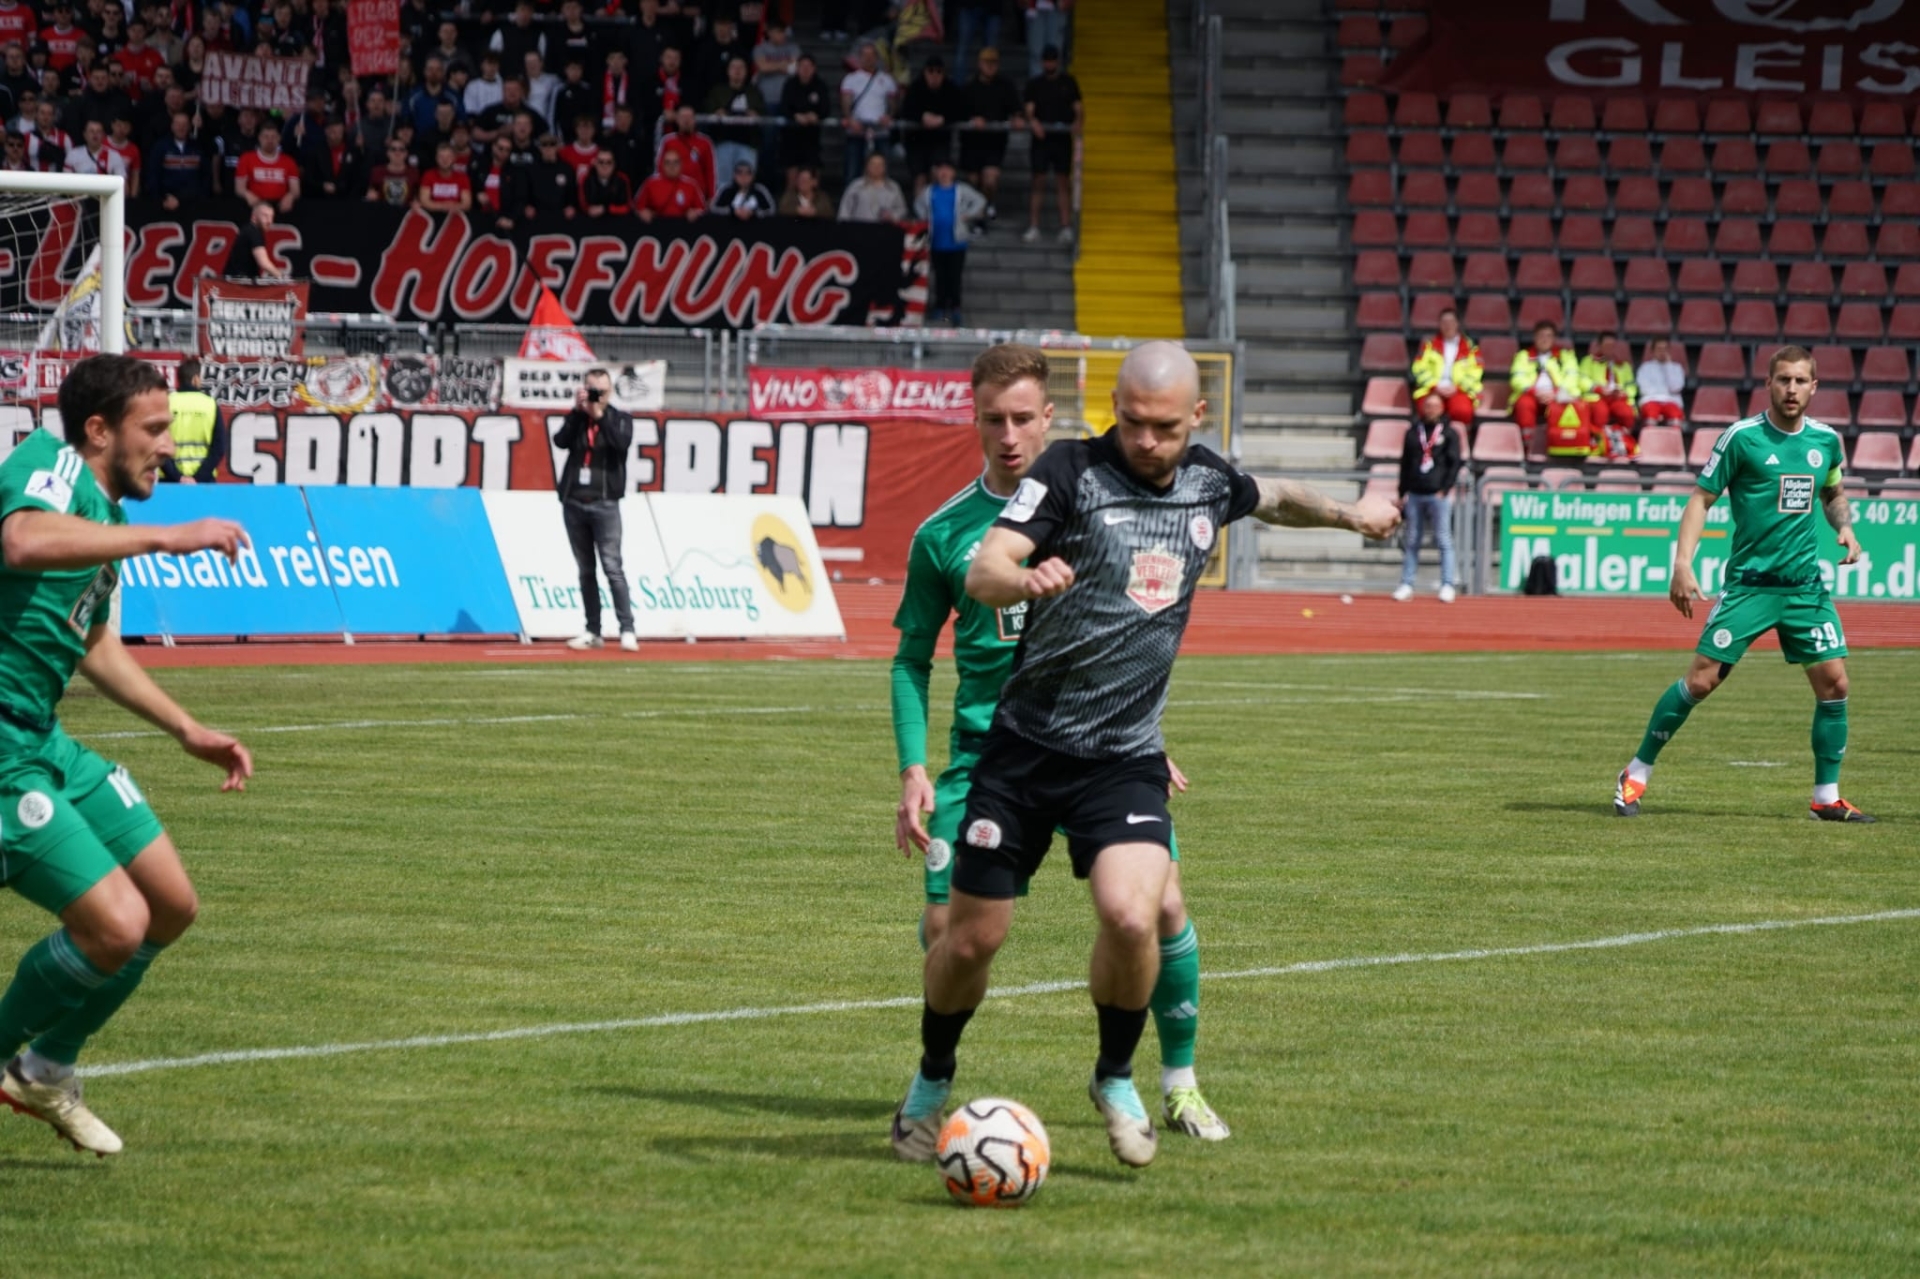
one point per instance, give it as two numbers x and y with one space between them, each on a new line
1010 362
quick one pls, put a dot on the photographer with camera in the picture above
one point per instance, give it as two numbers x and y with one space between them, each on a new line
596 436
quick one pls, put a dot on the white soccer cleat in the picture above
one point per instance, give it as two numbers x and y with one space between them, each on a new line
581 643
1129 1131
1403 592
60 1108
1188 1112
1447 594
918 1120
629 642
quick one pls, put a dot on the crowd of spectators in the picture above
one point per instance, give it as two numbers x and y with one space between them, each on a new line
648 108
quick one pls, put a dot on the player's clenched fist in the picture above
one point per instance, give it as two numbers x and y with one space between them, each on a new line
1376 517
1048 577
210 534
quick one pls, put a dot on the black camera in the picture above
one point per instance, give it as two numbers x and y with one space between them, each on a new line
595 395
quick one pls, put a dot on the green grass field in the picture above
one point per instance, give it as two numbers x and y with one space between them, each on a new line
447 851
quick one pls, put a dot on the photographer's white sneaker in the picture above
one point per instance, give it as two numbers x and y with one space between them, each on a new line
1447 593
581 643
629 642
1403 592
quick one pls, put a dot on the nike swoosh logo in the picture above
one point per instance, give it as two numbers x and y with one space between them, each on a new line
1118 517
1134 819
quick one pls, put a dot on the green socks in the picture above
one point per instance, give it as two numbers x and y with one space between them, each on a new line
1176 999
1669 713
53 979
64 1041
1829 741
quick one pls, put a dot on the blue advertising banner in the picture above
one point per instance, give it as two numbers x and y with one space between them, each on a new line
272 590
410 561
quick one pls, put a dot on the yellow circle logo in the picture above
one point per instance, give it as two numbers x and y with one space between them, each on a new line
782 562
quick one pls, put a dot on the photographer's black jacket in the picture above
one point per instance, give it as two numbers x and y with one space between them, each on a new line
610 444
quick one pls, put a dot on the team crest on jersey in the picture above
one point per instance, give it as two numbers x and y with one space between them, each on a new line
1154 584
1796 494
984 834
939 853
1813 457
36 809
1201 527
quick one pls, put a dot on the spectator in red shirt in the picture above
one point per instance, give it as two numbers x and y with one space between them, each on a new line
605 190
693 148
268 175
670 193
61 38
138 60
581 151
445 188
16 24
397 181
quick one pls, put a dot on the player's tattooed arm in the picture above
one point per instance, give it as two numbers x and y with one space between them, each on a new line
1295 505
1839 509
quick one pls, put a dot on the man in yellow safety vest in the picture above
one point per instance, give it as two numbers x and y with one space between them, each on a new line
1449 366
1547 387
1612 399
199 431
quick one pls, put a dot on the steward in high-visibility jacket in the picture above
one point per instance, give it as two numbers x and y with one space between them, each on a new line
1449 365
199 431
1612 398
1547 388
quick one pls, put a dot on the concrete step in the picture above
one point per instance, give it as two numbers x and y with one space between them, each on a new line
1252 235
1255 14
1280 400
1246 117
1280 194
1294 77
1297 449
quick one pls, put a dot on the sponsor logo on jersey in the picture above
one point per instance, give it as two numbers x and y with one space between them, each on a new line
1202 529
1025 501
1010 621
36 809
1117 517
984 834
47 487
939 854
1154 583
1723 638
98 592
1773 459
1796 494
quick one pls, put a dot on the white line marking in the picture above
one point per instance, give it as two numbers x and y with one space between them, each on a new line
1756 763
244 1055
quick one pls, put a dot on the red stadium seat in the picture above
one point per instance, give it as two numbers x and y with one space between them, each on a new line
1682 157
1493 398
1798 198
1376 269
1426 229
1425 313
1690 195
1777 119
1636 195
1879 451
1488 312
1648 318
1379 311
1790 239
1498 480
1535 309
1595 315
1385 437
1831 119
1804 322
1754 319
1359 33
1891 160
1417 111
1362 71
1369 149
1479 231
1614 479
1422 150
1406 32
1370 188
1538 273
1906 282
1677 115
1807 279
1576 152
1524 153
1384 353
1591 274
1700 444
1365 110
1386 397
1562 477
1629 155
1844 240
1702 318
1423 189
1584 193
1886 366
1521 111
1485 271
1624 115
1757 401
1830 406
1684 237
1662 446
1880 409
1430 270
1469 111
1913 457
1702 277
1737 237
1649 276
1582 233
1743 197
1477 191
1498 442
1756 279
1573 114
1761 354
1721 362
1729 115
1900 200
1839 160
1383 481
1734 156
1674 482
1496 352
1472 151
1897 241
1632 235
1852 199
1375 230
1836 364
1789 159
1531 191
1528 231
1858 322
1883 120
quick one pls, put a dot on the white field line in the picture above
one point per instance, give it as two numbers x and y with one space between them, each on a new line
246 1055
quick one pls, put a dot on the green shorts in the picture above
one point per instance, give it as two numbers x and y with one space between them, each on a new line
67 817
1808 626
949 807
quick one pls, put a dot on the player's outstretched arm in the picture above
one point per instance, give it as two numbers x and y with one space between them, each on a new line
1682 589
1839 508
43 541
999 577
111 669
1294 505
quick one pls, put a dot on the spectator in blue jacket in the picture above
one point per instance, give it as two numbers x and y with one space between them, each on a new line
177 168
950 209
433 90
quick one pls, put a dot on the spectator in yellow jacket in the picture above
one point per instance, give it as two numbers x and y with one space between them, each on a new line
1449 366
1612 398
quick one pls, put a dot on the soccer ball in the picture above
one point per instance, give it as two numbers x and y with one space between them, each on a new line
993 1153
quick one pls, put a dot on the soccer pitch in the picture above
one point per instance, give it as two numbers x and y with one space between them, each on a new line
702 855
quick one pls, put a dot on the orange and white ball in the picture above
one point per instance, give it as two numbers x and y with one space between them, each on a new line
993 1153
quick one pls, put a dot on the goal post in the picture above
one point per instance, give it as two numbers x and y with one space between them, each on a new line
111 192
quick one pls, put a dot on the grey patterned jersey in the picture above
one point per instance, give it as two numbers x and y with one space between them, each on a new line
1090 676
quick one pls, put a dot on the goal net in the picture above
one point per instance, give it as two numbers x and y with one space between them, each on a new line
62 262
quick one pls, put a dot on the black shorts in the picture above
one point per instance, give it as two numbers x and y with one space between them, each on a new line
982 150
1023 792
1054 153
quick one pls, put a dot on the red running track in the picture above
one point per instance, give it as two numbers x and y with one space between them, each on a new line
1224 623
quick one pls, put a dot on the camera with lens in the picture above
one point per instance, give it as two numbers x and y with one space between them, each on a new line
595 395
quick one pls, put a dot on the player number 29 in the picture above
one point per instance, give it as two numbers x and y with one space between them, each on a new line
1824 637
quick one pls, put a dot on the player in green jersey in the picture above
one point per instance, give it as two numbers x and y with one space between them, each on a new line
1774 470
76 835
1012 414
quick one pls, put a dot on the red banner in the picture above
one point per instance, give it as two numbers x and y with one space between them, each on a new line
252 321
935 395
373 36
242 80
1866 49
